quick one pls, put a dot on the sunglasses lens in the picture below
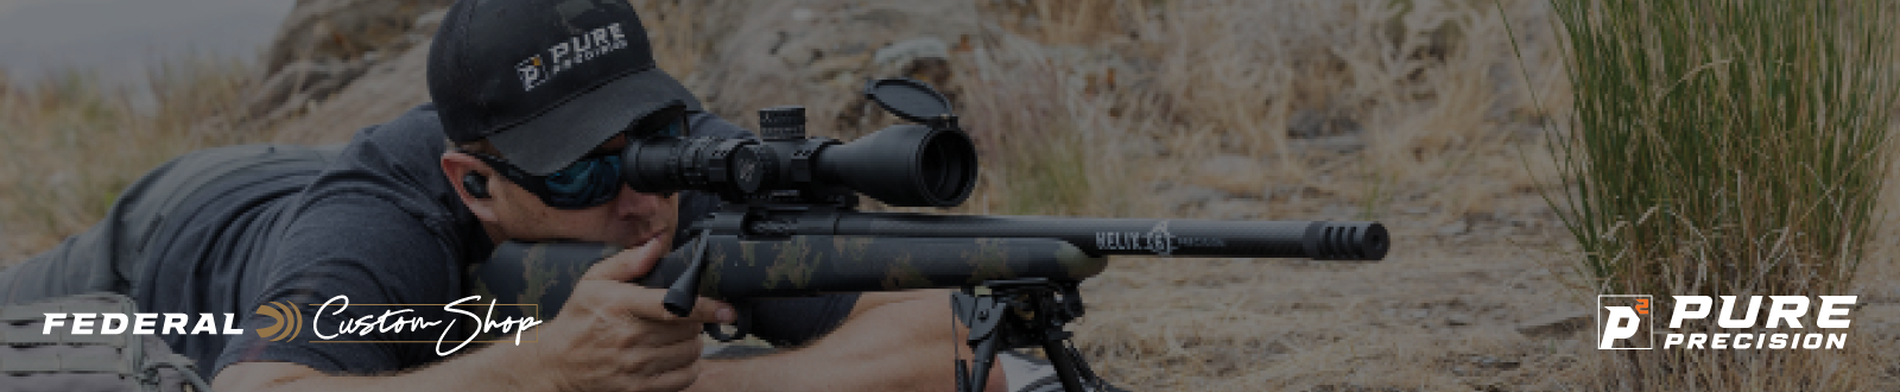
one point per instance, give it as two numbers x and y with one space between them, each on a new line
586 183
673 128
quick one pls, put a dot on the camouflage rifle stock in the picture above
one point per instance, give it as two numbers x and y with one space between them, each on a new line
791 227
888 252
545 273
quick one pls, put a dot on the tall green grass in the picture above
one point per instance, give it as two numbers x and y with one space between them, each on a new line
1725 148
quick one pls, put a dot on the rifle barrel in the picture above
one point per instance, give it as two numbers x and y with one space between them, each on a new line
1324 240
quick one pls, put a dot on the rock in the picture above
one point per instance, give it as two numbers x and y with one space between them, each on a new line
1554 325
339 65
298 84
901 54
1490 362
324 46
1454 228
426 23
1230 165
819 53
381 92
344 29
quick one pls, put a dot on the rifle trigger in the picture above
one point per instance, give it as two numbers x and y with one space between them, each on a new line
741 326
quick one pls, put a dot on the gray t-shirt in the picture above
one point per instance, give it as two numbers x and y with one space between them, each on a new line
381 225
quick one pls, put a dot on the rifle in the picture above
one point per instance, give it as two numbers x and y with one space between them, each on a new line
791 228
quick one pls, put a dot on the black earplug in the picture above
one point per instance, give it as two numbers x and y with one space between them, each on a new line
476 184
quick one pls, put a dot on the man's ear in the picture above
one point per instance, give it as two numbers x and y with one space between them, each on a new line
461 169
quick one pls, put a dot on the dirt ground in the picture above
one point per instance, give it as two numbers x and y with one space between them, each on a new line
1441 313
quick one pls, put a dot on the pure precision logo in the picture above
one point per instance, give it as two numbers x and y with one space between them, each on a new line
568 54
287 323
1627 322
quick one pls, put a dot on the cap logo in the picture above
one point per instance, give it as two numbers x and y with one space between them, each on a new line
570 53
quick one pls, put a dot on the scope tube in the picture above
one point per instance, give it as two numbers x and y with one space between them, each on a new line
904 165
901 165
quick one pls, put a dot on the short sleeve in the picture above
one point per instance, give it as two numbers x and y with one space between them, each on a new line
359 258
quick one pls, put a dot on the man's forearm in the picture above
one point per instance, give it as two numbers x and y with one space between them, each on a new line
898 346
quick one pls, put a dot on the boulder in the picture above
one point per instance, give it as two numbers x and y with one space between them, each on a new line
324 46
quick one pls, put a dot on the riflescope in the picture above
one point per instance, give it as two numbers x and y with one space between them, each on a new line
930 163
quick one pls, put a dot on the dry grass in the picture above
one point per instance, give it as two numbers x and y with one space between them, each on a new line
1418 93
71 145
1436 118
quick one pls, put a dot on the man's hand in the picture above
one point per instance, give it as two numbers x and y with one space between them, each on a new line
610 336
615 336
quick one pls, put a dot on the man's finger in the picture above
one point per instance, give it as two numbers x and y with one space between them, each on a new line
645 303
629 264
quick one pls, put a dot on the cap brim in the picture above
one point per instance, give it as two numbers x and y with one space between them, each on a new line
562 135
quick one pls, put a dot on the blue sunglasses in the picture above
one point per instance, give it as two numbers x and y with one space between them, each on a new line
591 181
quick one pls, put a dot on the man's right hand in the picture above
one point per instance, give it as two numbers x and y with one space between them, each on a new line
613 335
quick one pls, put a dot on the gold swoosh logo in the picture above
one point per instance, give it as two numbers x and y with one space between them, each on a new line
285 320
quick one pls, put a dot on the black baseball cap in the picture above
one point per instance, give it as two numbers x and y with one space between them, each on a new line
545 81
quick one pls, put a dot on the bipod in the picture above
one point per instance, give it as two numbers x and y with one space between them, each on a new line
1022 313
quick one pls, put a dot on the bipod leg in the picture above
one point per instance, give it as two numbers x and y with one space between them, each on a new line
1053 315
1067 364
983 316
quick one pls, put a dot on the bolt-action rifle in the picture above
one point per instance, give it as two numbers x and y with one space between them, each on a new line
791 228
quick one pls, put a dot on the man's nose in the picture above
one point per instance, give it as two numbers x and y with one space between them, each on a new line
632 204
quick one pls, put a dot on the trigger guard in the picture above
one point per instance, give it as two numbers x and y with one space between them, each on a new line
742 327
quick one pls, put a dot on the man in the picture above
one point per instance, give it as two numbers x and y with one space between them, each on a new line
536 98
